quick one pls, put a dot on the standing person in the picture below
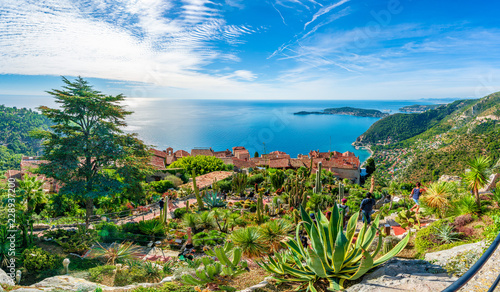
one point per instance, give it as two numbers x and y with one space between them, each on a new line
344 209
367 207
415 195
161 203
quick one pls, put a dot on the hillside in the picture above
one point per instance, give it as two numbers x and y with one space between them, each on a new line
436 142
15 140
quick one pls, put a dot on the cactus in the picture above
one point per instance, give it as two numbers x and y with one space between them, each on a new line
239 183
187 205
266 209
296 190
317 187
259 207
296 216
197 193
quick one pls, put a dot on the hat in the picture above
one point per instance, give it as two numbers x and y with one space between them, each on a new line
344 200
312 216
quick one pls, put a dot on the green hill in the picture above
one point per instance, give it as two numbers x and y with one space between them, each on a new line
436 142
15 140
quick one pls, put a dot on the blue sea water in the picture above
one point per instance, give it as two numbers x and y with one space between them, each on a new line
261 126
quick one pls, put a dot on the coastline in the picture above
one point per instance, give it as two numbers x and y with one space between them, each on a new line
367 148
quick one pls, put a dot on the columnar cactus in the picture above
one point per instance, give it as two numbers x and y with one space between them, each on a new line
197 193
317 187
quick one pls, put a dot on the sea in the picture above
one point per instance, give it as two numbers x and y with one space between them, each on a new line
260 126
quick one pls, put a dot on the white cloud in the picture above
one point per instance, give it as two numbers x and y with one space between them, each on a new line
131 40
244 75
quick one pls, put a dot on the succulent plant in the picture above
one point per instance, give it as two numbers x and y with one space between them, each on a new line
333 256
213 201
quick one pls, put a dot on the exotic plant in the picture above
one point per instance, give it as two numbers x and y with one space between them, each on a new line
213 201
465 205
36 259
389 243
206 220
190 220
117 251
477 176
277 179
239 183
407 218
296 190
436 196
317 185
275 233
445 233
250 240
227 265
197 192
334 255
152 228
78 242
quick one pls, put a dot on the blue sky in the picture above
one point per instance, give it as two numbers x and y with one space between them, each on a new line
232 49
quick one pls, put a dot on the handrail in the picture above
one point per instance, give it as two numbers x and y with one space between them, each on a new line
475 268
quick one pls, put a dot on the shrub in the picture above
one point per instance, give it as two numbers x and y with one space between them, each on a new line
97 274
463 220
161 186
167 287
223 185
134 274
426 239
465 205
108 231
255 179
36 259
78 242
179 212
176 181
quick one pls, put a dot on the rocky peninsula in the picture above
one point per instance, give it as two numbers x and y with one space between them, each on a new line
350 111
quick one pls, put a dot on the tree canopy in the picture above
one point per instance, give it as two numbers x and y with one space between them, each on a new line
200 164
86 147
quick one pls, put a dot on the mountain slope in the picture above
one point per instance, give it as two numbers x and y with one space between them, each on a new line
438 143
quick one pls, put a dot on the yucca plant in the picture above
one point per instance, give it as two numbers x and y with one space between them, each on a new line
275 233
206 220
334 255
190 220
250 240
465 205
437 195
117 251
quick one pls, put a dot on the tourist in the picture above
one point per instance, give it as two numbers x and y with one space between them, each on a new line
415 195
344 209
161 203
367 207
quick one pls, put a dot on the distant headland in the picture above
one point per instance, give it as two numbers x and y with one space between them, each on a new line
350 111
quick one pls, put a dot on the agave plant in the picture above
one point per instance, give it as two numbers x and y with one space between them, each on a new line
121 251
446 234
213 201
334 255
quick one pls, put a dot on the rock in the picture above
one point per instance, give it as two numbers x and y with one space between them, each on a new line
68 283
5 279
443 257
404 275
491 184
31 289
450 178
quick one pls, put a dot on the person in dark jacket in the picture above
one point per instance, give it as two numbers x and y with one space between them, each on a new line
367 207
161 203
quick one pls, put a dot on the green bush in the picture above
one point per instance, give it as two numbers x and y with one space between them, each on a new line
161 186
97 274
135 274
255 179
167 287
179 212
36 259
224 185
108 231
426 238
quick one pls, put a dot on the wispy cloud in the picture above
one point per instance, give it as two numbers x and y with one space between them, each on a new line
162 42
324 10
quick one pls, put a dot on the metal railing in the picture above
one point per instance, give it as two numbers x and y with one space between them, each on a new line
475 268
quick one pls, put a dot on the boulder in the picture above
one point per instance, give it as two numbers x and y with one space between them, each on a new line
404 275
443 257
68 283
5 279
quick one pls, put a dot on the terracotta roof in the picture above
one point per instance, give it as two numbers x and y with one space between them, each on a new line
260 161
181 153
279 163
31 162
225 153
240 163
238 148
348 153
204 152
296 163
158 153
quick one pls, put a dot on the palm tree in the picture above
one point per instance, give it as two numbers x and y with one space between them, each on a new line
477 177
31 193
